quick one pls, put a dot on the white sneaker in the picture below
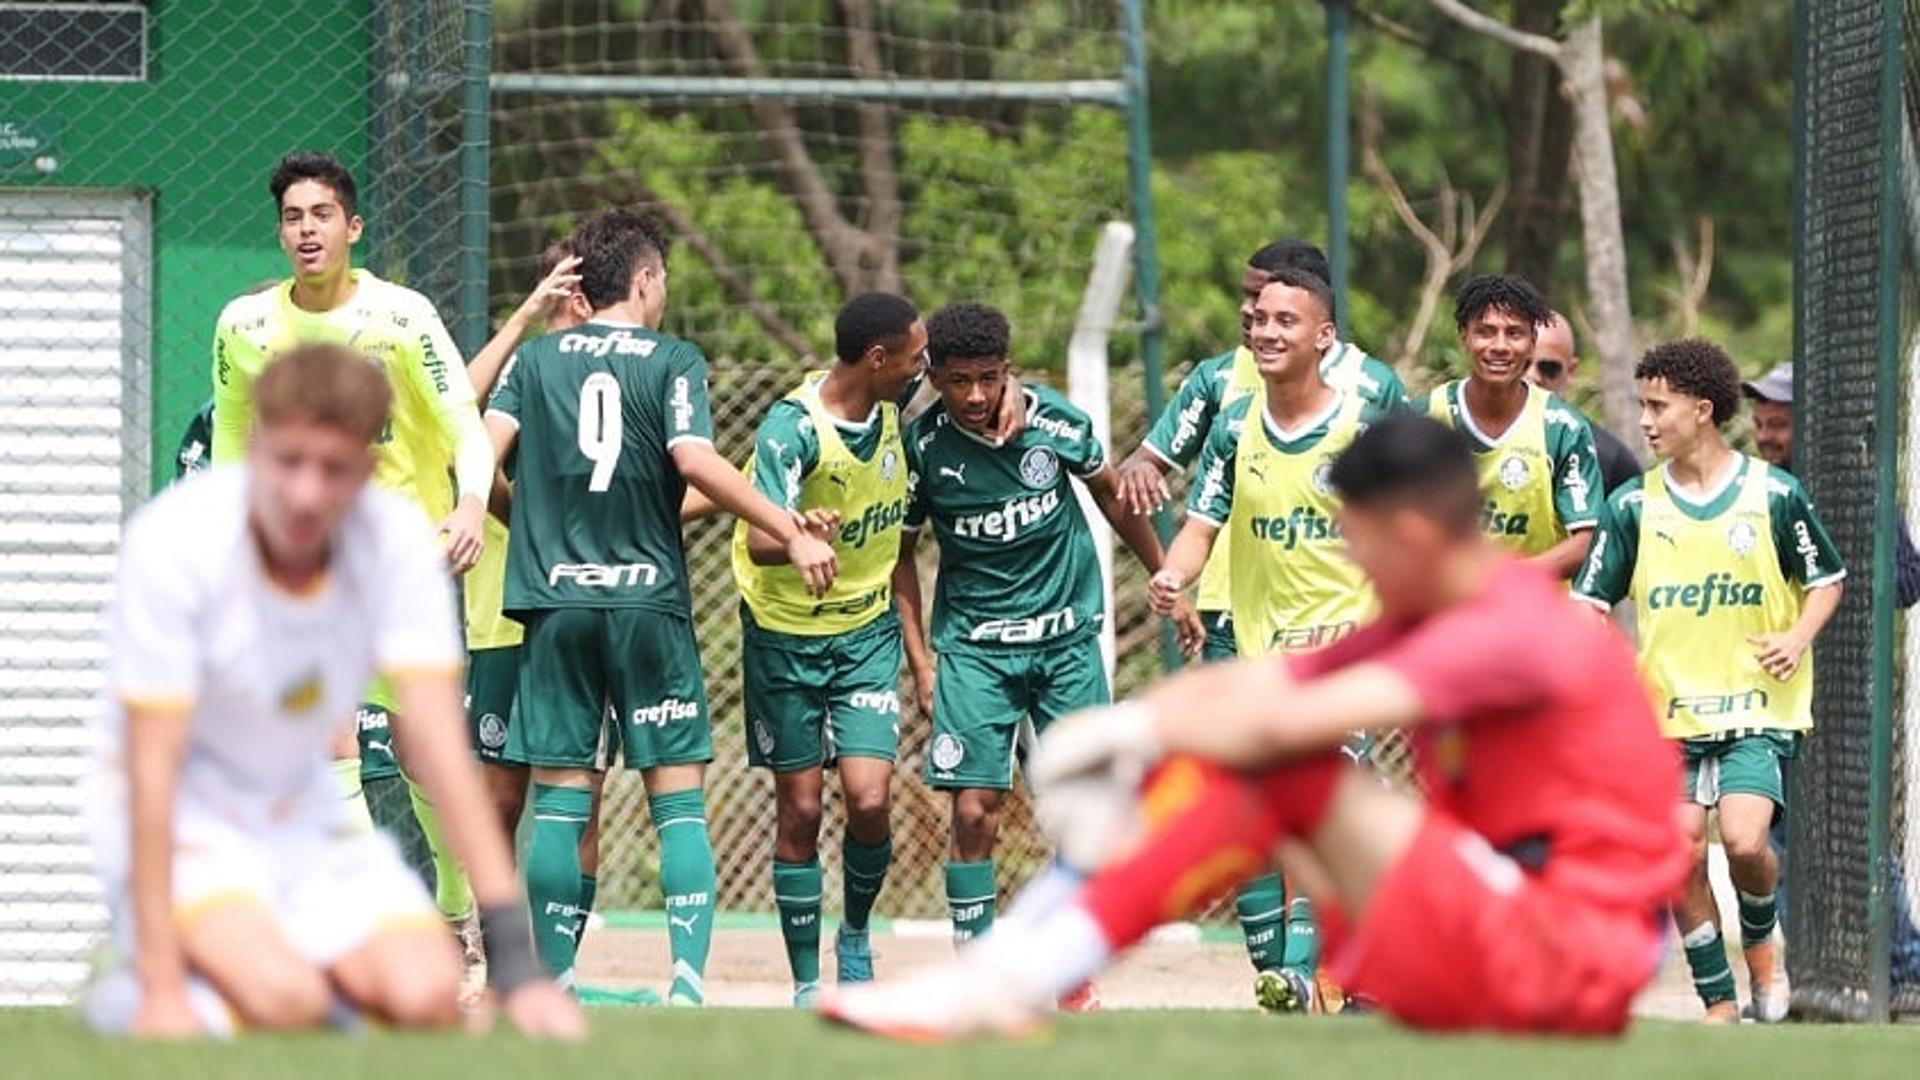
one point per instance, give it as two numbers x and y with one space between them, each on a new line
960 1000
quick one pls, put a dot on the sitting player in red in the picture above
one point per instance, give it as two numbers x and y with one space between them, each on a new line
1524 892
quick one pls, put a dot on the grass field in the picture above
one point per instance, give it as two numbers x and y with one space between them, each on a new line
751 1045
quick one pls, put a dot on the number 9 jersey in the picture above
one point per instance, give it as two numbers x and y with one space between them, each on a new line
596 501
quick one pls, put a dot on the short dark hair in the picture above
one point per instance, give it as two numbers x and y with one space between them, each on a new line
1301 279
1411 459
968 331
1292 253
1502 291
875 318
611 245
555 253
1696 368
313 165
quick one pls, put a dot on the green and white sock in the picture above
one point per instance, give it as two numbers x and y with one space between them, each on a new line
1262 907
390 803
589 885
1302 952
553 875
863 873
687 878
1758 916
971 894
451 893
796 892
1707 959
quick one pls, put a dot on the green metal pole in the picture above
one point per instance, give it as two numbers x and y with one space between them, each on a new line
1886 439
1338 111
1146 256
475 115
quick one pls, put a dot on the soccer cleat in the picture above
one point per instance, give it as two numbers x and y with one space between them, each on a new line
805 994
853 956
607 997
1084 998
1282 991
956 1001
1770 1003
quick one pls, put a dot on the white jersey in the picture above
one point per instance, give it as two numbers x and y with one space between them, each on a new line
267 676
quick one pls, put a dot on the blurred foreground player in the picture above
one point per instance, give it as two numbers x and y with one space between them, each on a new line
1525 893
253 605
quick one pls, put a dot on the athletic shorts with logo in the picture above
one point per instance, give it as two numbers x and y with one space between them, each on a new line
989 707
1743 764
1221 644
816 699
373 729
493 677
579 664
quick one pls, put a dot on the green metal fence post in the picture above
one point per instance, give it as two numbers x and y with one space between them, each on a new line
1146 255
1886 449
475 114
1338 111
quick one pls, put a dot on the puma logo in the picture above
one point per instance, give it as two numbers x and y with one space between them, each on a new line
686 924
959 473
1671 542
1258 473
838 479
568 928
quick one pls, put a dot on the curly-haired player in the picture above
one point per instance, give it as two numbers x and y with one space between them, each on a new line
1539 476
1732 576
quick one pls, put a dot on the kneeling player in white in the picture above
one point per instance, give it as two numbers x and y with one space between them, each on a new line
253 605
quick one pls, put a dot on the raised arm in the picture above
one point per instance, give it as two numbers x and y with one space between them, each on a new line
485 367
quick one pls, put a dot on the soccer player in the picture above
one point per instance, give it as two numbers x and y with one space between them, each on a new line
252 606
1522 892
1018 602
435 427
612 423
1555 362
1731 576
822 673
1263 483
1538 471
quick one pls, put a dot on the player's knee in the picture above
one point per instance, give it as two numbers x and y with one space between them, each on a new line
425 998
975 828
287 997
1746 845
868 807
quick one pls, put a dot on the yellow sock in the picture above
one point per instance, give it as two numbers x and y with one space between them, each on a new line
454 895
346 773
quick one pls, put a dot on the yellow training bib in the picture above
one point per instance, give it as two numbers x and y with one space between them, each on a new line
483 589
872 499
1701 588
1243 378
1516 473
1293 587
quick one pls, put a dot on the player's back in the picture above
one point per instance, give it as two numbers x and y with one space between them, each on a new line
268 676
1541 736
596 507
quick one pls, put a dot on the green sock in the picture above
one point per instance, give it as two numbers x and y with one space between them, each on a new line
863 872
451 893
589 885
1302 952
971 893
391 806
1758 916
796 892
553 874
1707 959
687 879
346 773
1262 907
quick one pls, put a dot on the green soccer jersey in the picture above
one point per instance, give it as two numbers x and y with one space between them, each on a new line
1017 564
596 502
785 449
1180 432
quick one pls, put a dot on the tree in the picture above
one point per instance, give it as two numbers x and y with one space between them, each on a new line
1581 62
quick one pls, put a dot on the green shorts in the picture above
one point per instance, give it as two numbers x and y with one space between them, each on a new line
989 707
373 727
1746 764
816 699
492 675
1221 644
582 666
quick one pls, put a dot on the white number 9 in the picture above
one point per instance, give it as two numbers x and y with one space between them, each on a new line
601 431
